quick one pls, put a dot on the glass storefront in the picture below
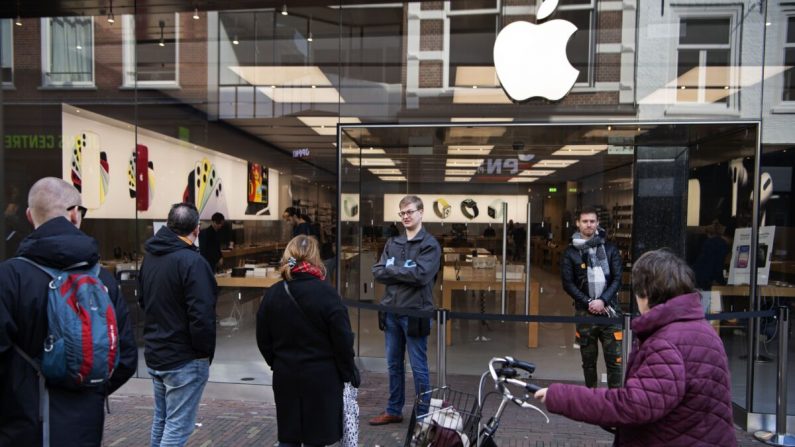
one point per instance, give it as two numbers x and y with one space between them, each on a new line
677 128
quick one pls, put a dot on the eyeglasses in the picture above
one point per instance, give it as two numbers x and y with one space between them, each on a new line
83 210
407 213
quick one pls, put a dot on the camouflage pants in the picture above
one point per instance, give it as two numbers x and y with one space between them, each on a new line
588 337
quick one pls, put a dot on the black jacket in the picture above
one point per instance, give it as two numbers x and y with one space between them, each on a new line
76 417
311 353
210 246
409 287
574 276
178 295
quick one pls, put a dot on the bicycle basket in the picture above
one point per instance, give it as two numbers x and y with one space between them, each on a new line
443 417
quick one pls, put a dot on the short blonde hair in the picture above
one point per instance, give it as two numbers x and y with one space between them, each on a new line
302 248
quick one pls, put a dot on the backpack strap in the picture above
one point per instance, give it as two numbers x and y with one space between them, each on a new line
82 265
44 397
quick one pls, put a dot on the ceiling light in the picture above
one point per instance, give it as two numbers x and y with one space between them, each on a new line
479 119
522 179
485 95
111 19
195 13
363 151
235 41
162 25
303 95
309 39
79 47
554 163
464 163
457 179
18 21
580 150
454 172
370 161
476 76
393 178
284 9
469 150
386 171
536 172
327 125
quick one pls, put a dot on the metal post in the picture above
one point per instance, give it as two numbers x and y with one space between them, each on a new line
441 347
527 260
780 438
626 346
503 292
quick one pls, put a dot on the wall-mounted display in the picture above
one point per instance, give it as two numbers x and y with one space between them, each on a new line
350 207
257 191
459 208
740 267
213 181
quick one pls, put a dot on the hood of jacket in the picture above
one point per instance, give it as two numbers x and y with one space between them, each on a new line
59 244
681 308
165 242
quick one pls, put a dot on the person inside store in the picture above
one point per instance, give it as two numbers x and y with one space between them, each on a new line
711 260
305 336
214 238
408 268
591 274
677 389
302 224
76 416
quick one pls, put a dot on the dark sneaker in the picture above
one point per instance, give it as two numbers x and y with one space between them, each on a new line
383 419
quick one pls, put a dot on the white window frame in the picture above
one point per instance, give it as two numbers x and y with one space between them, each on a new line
46 52
10 24
732 105
129 72
786 15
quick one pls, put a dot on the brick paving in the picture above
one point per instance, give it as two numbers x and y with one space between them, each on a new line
245 423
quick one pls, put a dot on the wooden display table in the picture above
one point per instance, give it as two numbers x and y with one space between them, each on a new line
486 279
745 290
252 250
250 281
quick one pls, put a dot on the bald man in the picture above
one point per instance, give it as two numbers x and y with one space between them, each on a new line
76 416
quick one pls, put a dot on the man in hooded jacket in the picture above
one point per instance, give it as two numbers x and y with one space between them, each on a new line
76 416
178 295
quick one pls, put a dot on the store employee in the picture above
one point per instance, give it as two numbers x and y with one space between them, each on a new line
212 238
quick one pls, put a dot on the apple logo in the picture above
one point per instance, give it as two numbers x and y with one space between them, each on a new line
531 59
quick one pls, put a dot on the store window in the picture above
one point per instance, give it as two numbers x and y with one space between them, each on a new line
704 60
151 50
6 52
67 51
789 61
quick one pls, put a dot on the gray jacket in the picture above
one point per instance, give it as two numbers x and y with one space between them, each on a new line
410 287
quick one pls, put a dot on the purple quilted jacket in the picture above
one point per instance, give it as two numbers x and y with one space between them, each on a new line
677 388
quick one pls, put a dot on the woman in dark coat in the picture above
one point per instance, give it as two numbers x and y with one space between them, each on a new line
677 388
307 341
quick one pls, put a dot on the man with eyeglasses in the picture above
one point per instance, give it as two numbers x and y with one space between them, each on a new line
408 267
76 417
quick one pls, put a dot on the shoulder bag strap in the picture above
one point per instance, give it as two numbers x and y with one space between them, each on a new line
301 309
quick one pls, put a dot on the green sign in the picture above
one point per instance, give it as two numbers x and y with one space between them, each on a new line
553 189
12 141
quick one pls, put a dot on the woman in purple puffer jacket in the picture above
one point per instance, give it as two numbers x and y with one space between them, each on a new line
677 388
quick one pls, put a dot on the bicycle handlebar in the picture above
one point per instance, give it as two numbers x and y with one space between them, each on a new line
503 371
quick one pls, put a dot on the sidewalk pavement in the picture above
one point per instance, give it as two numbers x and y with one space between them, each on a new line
248 423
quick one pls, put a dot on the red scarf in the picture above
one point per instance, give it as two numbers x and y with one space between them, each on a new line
305 267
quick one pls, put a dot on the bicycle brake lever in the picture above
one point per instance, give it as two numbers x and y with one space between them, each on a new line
533 407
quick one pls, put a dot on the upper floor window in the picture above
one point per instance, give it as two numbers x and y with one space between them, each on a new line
67 51
6 52
704 60
151 50
789 61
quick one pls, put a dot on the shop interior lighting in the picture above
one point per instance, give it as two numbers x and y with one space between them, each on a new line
162 39
464 162
536 172
364 151
469 150
522 179
385 171
195 13
18 21
111 18
481 134
456 172
235 41
284 9
579 150
303 95
393 178
554 163
480 120
327 125
291 84
309 30
367 162
457 179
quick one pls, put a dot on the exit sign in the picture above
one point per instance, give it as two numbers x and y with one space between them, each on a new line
553 189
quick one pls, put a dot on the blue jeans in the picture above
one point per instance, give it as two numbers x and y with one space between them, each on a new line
177 396
398 341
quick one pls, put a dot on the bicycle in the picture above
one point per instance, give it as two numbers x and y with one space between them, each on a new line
444 417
